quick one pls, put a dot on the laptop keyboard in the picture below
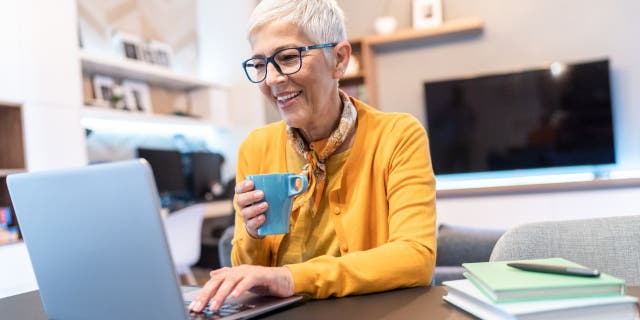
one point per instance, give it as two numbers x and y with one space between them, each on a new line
225 310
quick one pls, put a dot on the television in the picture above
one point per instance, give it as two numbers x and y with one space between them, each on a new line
539 118
168 171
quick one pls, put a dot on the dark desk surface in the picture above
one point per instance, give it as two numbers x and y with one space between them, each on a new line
414 303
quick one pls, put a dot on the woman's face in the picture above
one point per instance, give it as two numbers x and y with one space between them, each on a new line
303 99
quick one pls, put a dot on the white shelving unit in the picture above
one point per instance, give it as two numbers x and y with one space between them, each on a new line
201 94
103 113
138 70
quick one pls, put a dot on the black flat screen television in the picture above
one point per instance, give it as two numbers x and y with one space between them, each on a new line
554 117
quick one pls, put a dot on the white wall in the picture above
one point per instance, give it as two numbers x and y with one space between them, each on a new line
41 72
222 37
518 34
525 34
11 53
504 211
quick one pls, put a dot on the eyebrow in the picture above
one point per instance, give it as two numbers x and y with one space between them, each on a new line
289 45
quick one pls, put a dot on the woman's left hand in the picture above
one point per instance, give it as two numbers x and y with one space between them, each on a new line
274 281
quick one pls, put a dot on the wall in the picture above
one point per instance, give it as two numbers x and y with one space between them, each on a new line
40 72
518 34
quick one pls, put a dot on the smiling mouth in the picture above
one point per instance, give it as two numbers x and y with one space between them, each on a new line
288 97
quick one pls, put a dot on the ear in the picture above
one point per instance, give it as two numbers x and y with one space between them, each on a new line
341 58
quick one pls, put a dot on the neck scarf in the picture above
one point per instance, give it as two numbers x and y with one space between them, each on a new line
315 169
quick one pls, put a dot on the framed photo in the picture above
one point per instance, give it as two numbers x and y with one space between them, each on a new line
137 96
103 87
146 53
427 13
161 52
129 45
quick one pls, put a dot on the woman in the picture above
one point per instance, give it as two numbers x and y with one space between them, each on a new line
367 221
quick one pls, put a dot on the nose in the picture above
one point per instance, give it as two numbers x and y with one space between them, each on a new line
273 75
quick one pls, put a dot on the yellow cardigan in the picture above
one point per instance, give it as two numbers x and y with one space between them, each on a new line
383 209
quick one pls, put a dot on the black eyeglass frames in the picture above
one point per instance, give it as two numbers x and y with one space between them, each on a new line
286 61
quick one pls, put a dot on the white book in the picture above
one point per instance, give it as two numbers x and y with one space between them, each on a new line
463 294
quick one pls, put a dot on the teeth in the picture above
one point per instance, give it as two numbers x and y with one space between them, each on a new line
289 96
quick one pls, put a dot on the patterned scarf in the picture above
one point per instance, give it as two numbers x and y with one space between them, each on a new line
316 158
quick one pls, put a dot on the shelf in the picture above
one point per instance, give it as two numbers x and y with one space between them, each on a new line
405 35
6 172
93 112
137 70
353 78
364 48
542 187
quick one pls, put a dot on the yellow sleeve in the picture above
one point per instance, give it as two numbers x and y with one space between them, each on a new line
408 256
246 249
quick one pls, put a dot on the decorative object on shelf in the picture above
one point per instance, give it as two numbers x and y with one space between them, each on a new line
8 232
427 13
137 96
103 90
161 53
128 44
181 106
385 24
137 48
5 217
118 99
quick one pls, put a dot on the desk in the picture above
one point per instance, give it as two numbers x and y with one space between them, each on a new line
413 303
220 208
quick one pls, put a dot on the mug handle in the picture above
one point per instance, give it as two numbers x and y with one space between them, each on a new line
292 184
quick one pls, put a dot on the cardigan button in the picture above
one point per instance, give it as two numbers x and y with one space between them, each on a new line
336 211
344 248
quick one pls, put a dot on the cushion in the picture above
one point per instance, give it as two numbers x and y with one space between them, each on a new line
458 244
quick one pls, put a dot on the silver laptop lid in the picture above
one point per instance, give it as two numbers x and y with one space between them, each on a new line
96 242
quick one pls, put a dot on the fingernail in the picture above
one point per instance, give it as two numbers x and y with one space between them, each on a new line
196 306
259 194
264 205
191 306
213 305
234 293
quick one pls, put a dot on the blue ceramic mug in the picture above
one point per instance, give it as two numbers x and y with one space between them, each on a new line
279 190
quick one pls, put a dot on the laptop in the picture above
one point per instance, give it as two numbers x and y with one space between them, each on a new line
98 247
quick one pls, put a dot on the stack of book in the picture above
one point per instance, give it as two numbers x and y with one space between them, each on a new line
494 290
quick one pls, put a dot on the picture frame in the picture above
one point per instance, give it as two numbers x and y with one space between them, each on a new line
427 13
129 45
103 87
137 96
161 52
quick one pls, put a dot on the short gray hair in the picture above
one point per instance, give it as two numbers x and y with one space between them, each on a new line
321 20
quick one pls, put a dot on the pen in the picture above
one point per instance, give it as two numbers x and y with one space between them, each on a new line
548 268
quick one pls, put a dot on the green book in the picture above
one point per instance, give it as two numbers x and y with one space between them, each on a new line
502 283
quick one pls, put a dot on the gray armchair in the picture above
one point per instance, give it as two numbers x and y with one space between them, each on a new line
609 244
458 244
224 247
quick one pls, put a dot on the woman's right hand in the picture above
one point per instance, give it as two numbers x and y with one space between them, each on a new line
252 215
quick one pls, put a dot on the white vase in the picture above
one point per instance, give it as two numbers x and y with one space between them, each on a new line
385 24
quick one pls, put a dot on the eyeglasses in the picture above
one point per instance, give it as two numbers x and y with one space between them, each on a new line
286 61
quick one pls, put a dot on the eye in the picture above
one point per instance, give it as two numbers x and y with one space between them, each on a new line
258 65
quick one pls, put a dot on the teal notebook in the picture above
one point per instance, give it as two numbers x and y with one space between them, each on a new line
502 283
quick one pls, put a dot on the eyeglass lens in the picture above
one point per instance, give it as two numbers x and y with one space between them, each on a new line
287 61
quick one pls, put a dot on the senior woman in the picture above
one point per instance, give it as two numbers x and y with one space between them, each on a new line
367 221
